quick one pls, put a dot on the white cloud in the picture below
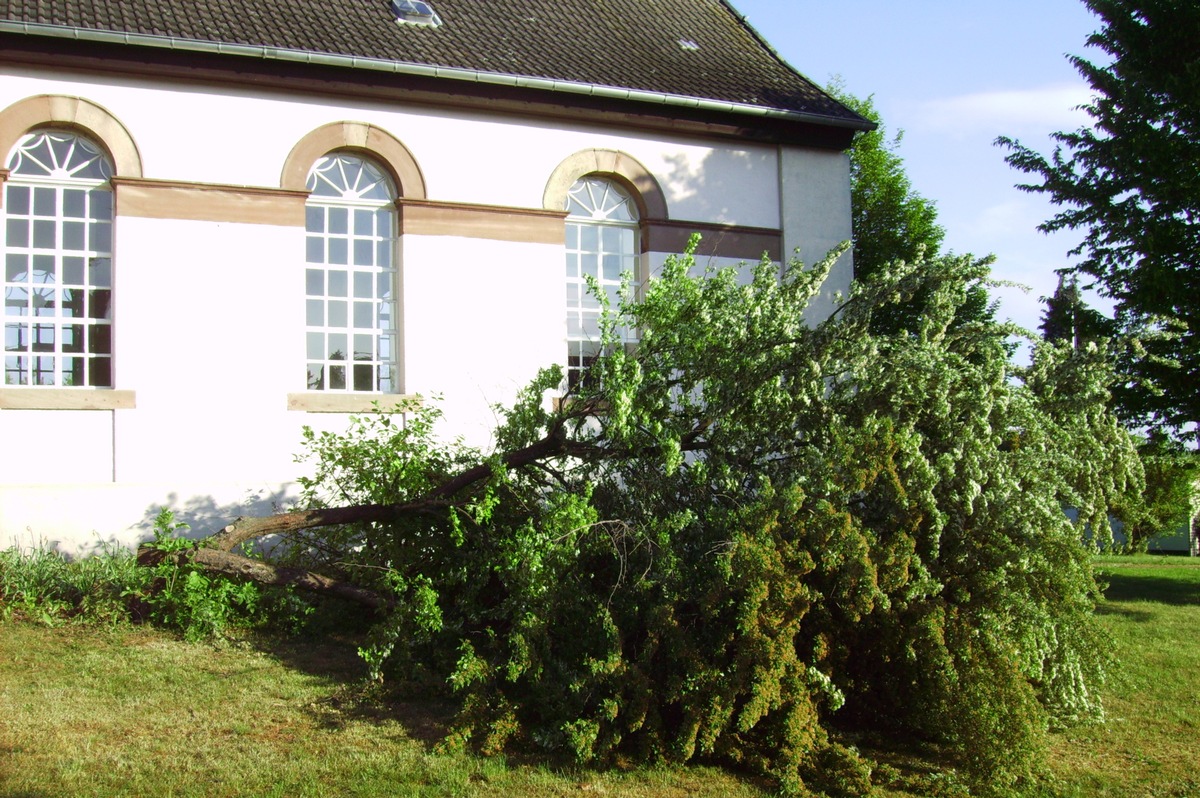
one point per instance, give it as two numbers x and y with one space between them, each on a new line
1038 110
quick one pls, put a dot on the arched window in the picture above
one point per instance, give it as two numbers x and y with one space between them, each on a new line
602 243
351 277
57 244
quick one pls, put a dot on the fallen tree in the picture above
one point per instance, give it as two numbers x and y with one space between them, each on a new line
740 535
216 553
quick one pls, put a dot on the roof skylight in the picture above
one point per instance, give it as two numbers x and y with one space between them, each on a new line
415 12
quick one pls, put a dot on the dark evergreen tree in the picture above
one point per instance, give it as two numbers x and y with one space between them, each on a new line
1131 183
890 220
1068 318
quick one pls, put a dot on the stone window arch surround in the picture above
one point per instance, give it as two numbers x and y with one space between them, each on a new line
76 114
621 168
388 152
100 126
361 138
659 232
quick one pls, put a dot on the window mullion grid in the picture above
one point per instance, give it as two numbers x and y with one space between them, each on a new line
36 339
619 247
357 303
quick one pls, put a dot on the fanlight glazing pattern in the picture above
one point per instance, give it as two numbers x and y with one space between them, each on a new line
602 244
350 177
600 200
57 243
415 12
350 278
59 155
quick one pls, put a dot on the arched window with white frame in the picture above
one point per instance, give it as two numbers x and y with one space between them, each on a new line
58 276
351 277
602 244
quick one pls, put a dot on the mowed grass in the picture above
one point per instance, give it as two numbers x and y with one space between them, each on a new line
91 710
1150 743
87 711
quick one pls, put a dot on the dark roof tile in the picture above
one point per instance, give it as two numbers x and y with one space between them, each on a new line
625 44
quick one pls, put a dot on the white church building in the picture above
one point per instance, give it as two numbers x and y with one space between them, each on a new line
224 220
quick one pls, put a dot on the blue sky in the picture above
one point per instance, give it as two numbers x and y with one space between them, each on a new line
954 75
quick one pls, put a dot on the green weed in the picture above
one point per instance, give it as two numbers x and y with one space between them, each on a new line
45 586
200 605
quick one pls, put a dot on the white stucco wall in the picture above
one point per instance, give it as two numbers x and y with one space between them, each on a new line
209 315
815 208
481 317
211 135
202 316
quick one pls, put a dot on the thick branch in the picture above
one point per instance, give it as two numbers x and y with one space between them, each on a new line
244 529
554 445
264 573
216 555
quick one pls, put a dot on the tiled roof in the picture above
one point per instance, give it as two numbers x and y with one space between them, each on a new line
699 49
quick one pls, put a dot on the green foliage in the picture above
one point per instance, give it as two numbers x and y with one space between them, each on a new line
1169 502
1128 182
185 598
748 534
375 462
43 585
1171 469
1068 318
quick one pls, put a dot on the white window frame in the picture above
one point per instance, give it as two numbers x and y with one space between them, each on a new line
603 240
56 236
351 309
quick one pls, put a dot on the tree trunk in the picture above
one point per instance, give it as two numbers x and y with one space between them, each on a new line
264 573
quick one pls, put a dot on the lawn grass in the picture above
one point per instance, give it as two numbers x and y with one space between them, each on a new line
88 711
118 710
1150 743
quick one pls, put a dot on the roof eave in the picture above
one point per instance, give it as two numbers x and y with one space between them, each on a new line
864 123
401 68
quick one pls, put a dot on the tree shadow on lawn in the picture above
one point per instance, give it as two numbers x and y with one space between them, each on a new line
424 711
1137 616
1162 590
328 649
